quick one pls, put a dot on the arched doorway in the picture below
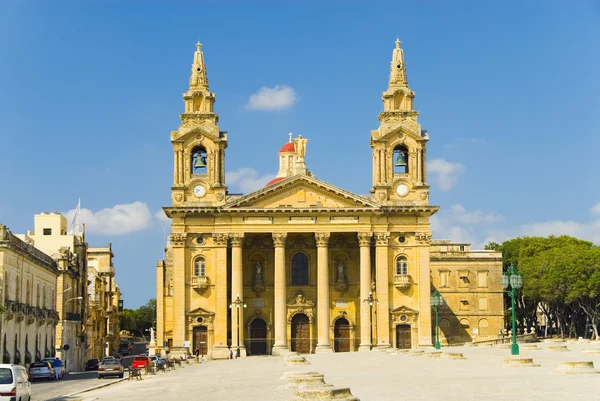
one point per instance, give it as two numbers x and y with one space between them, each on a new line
201 339
403 336
300 334
258 337
341 335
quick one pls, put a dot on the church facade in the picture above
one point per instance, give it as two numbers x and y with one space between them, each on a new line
302 265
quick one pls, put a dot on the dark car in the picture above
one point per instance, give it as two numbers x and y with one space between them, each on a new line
91 364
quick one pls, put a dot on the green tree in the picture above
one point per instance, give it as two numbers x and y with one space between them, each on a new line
138 321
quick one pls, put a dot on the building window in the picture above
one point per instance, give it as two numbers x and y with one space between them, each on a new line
401 265
400 161
463 278
483 327
482 279
300 269
444 324
462 248
443 279
482 304
200 267
199 161
47 231
464 304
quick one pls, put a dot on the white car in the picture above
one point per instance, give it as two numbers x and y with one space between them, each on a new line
14 383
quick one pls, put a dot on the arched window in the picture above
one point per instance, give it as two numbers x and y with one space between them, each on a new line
300 269
200 267
199 161
401 265
483 327
400 160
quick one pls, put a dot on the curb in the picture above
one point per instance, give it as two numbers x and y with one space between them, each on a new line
62 397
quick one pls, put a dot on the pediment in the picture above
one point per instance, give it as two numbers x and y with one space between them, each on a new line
399 132
300 301
302 191
404 310
201 312
183 135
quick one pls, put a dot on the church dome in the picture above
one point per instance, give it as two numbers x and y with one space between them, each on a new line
288 147
275 180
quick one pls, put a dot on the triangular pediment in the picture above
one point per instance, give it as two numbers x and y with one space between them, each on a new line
302 191
400 131
404 310
201 312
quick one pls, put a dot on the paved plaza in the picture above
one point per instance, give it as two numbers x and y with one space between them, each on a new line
377 376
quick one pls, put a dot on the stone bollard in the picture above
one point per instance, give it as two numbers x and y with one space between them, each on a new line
452 355
574 368
519 363
558 348
304 378
324 393
293 358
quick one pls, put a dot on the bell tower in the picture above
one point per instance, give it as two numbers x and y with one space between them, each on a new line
399 144
198 145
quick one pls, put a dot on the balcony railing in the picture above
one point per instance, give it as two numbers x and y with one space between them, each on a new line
402 281
200 283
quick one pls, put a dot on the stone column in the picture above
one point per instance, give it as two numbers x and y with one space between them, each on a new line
237 289
323 306
382 283
280 346
179 279
160 301
220 349
424 277
364 242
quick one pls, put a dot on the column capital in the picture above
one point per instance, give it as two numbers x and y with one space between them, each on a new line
364 239
279 239
382 238
178 239
237 239
220 239
322 239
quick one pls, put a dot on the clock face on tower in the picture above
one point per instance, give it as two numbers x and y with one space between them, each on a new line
199 191
402 190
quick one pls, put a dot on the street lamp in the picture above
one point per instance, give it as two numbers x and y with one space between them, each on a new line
371 301
513 280
62 334
238 303
437 301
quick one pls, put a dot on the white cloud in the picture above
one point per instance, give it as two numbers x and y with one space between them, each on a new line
445 174
596 209
280 97
458 224
459 214
585 231
161 216
247 179
118 220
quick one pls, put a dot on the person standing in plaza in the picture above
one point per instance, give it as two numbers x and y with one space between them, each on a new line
57 367
197 353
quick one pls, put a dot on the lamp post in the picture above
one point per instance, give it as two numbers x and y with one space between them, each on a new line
371 301
238 303
513 280
62 334
436 300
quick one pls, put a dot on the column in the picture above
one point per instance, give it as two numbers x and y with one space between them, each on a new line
179 313
160 301
323 306
220 349
382 283
280 346
364 242
424 278
237 289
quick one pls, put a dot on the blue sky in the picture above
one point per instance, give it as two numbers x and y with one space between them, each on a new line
90 90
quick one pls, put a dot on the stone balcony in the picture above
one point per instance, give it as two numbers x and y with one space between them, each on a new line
402 281
200 283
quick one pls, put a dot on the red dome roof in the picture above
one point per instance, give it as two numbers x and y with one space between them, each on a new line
275 180
288 147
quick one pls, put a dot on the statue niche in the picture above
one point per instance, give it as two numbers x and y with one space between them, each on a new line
258 283
341 281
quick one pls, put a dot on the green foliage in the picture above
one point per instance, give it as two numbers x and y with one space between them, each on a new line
138 321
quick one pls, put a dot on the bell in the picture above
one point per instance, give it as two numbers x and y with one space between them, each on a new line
401 159
199 163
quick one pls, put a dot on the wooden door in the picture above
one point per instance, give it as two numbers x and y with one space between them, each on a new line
258 337
200 339
403 336
300 334
341 336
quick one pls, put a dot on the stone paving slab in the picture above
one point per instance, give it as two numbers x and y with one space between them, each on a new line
376 376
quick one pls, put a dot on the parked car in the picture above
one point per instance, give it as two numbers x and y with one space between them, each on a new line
110 367
92 364
140 362
41 370
124 349
14 383
61 371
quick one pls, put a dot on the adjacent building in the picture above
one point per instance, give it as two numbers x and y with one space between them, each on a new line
28 292
302 265
103 298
